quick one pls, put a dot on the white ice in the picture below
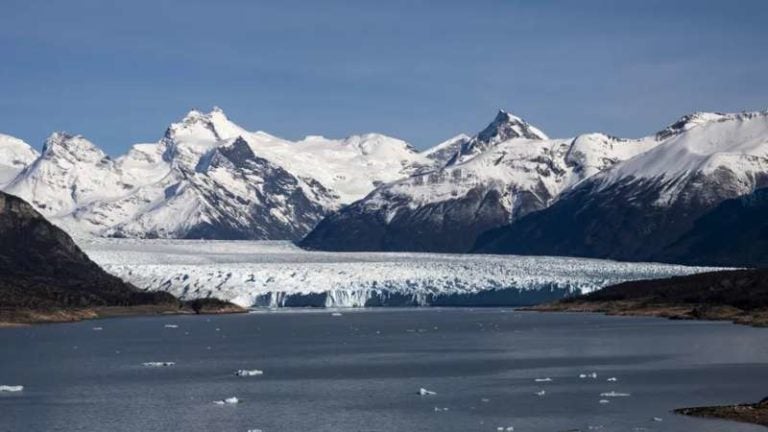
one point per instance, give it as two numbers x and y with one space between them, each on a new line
11 388
249 372
270 273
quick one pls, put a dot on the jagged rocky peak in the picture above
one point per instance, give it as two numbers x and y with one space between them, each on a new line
197 125
507 126
74 148
504 127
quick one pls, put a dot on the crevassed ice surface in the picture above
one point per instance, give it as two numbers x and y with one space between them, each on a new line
270 273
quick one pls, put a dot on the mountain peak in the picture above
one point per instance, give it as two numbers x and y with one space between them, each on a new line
506 126
71 146
201 126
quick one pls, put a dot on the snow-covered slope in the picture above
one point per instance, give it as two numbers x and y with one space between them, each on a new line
639 207
279 274
506 171
207 177
15 155
447 150
70 173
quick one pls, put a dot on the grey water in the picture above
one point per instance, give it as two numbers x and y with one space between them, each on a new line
362 371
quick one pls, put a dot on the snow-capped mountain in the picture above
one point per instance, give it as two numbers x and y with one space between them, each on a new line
15 155
641 207
506 171
207 177
447 150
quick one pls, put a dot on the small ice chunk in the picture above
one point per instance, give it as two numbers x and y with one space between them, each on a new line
11 388
541 393
98 328
604 401
612 379
438 409
614 394
158 364
249 372
592 375
425 392
485 400
255 430
228 401
543 379
657 419
336 314
505 428
171 326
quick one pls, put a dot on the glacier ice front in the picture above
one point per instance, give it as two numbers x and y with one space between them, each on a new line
279 274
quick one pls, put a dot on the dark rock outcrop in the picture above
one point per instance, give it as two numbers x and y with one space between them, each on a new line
41 267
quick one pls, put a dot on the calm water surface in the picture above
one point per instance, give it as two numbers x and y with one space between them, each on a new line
362 371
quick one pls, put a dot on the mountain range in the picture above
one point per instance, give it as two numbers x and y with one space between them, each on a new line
686 193
205 178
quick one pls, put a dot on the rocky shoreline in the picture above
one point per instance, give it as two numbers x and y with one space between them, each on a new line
756 413
753 317
18 317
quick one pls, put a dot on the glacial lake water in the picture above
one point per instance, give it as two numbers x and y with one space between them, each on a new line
362 371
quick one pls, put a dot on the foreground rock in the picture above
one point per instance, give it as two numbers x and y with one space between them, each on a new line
47 278
748 413
740 296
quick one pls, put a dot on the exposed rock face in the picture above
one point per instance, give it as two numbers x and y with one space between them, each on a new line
734 233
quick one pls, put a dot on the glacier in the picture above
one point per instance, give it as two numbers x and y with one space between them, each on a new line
278 274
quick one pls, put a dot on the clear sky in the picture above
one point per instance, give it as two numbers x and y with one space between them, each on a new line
119 72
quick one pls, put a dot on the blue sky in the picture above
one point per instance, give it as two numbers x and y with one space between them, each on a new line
119 72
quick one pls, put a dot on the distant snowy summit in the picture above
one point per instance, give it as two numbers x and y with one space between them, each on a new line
205 178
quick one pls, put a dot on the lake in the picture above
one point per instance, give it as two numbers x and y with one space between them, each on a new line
362 371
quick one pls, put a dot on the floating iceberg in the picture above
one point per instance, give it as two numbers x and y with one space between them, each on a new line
11 388
505 429
158 364
612 379
592 375
614 394
539 380
249 372
425 392
228 401
541 393
171 326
